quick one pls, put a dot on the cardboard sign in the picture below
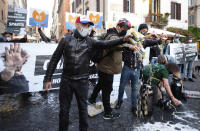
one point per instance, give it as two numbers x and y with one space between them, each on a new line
70 20
38 17
16 20
96 18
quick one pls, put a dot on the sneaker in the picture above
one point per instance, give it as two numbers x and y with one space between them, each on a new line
91 102
119 103
111 115
184 79
190 79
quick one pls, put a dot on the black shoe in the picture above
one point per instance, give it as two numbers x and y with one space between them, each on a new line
184 79
184 97
193 76
190 79
134 110
118 105
91 102
111 115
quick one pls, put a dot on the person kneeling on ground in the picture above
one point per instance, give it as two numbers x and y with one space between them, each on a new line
159 77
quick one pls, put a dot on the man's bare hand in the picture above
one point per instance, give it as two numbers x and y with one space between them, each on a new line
47 86
175 101
126 38
135 48
13 57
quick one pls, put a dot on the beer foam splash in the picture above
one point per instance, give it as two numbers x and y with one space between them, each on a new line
159 126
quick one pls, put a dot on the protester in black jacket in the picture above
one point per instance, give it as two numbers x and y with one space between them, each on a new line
131 69
75 49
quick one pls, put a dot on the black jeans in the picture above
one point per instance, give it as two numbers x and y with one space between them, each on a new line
105 83
80 89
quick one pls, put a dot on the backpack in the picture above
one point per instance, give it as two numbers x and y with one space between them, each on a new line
96 54
176 88
148 72
145 97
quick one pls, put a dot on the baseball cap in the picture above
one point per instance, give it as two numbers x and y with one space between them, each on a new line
83 19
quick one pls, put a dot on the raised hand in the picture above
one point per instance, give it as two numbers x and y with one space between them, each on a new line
13 57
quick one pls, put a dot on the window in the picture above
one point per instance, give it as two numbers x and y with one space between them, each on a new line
73 8
78 2
175 11
191 2
2 16
98 5
191 20
155 9
86 10
129 6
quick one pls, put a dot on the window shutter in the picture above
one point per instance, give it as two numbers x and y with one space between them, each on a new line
98 5
173 10
73 7
178 12
125 5
132 6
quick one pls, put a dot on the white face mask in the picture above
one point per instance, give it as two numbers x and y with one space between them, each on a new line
190 41
176 40
84 32
8 38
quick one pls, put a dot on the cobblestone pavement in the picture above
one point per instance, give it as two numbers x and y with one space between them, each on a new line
39 112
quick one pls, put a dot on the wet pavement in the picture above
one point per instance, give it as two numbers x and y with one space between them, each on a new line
39 112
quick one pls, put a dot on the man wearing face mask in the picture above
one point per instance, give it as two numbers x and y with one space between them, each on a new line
143 29
131 70
75 50
108 66
8 36
188 64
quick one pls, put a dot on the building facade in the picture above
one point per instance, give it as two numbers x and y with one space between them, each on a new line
63 7
3 15
18 3
151 12
54 28
4 10
194 13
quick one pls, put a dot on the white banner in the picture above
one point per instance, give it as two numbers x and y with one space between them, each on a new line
35 67
181 52
177 51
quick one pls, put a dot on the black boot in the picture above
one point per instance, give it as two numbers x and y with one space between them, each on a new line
190 79
184 97
194 76
119 103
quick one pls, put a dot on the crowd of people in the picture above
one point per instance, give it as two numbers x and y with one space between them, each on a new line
77 47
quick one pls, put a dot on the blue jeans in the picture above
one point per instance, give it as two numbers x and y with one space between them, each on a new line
133 75
188 65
